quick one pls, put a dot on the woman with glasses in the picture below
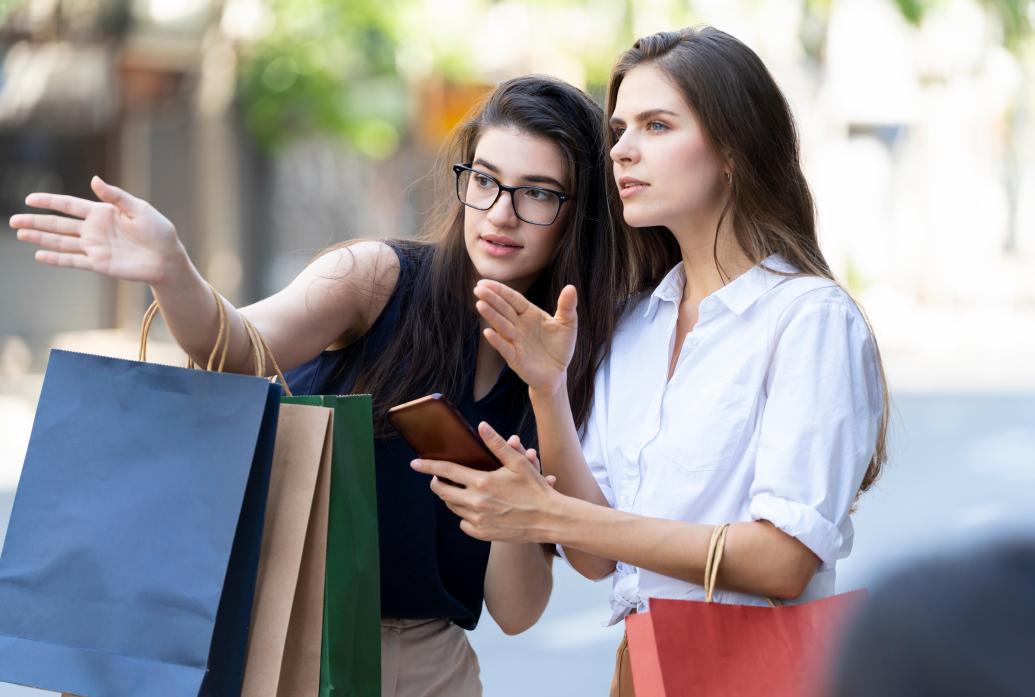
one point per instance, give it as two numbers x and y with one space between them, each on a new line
745 389
396 319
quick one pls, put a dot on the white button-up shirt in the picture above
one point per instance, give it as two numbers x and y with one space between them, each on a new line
771 414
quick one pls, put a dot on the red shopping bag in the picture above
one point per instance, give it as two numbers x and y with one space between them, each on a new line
685 648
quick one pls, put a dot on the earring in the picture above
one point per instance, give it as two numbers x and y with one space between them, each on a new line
729 177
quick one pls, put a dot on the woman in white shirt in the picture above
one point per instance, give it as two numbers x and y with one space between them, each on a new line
747 388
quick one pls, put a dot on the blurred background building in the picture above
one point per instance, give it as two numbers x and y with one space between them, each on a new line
269 129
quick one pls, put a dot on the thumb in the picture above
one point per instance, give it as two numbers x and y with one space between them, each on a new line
567 302
511 458
114 195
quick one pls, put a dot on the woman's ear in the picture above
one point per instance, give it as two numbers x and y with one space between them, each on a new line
727 160
727 166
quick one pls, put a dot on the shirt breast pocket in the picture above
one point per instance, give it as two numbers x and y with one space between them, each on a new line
709 429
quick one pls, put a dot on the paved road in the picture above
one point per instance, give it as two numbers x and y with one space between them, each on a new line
964 469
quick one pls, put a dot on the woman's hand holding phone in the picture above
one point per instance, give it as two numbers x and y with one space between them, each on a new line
537 346
120 235
505 505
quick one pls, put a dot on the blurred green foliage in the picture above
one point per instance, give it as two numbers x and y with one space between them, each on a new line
6 6
327 66
339 67
1013 16
913 10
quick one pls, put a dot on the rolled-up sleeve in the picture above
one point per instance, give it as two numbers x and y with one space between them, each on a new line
819 425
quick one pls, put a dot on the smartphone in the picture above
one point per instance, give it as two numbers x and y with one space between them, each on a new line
438 431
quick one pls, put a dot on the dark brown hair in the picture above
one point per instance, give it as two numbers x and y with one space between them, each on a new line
426 352
747 121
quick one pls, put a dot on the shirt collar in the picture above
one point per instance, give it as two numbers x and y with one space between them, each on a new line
669 290
737 295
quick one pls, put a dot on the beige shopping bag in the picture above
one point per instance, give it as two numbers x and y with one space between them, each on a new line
287 619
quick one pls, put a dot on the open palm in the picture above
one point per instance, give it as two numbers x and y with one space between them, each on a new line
536 345
119 236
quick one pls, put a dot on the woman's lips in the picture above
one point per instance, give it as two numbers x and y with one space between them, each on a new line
630 186
498 248
631 189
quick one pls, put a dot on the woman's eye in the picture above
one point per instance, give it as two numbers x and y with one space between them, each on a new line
617 132
535 194
482 181
656 127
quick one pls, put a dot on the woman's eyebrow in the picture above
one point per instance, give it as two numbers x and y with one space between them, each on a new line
531 178
487 165
643 116
542 179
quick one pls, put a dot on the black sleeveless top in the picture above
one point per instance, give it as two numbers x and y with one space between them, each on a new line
430 569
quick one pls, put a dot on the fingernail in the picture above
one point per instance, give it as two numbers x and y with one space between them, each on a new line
417 464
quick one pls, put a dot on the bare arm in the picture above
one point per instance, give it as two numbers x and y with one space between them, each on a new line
519 579
759 558
538 348
518 584
559 443
336 298
516 504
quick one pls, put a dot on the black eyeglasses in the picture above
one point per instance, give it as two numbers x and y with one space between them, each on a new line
532 204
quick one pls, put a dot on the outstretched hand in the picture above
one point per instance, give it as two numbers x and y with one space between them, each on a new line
506 505
120 235
537 346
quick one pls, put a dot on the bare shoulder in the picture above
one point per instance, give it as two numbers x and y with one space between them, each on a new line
363 265
332 302
351 284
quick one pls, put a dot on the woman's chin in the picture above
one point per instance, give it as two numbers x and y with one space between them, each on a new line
640 219
502 270
514 269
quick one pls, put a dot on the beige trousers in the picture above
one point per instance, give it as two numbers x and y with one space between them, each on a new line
427 658
621 680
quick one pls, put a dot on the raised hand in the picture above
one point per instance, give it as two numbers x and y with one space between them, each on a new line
537 346
119 236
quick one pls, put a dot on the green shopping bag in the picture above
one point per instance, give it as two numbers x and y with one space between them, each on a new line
350 662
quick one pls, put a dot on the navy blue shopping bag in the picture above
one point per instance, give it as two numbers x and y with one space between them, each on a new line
129 565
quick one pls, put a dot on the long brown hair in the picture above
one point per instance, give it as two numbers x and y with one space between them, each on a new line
426 352
746 118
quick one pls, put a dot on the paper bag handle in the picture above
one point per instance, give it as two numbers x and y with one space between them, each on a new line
260 349
714 558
